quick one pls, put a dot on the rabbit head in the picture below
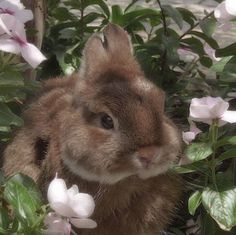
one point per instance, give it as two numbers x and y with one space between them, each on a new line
116 125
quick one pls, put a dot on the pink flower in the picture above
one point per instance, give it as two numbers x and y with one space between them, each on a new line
14 40
16 9
56 225
189 136
77 207
209 108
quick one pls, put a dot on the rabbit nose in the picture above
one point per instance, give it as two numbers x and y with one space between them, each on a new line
146 155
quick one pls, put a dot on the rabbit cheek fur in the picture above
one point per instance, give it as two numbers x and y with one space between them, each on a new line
122 164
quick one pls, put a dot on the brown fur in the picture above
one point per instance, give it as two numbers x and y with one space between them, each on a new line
124 168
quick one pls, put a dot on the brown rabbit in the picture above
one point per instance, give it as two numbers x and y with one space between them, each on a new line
104 130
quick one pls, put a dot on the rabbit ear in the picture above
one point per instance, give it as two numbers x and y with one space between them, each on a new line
100 52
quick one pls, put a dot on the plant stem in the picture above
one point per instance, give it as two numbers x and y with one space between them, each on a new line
195 25
163 17
213 139
164 55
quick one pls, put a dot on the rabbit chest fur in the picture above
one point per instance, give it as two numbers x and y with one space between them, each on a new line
105 130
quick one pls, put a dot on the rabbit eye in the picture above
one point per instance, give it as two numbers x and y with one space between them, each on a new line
106 121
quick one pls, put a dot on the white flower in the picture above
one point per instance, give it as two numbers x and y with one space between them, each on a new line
209 108
190 135
16 9
187 55
211 52
77 207
14 40
225 11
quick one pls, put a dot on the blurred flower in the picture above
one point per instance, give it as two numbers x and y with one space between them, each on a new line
187 55
211 52
14 40
190 135
225 11
209 108
16 9
56 225
77 207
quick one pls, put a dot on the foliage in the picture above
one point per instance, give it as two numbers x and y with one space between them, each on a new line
173 57
21 206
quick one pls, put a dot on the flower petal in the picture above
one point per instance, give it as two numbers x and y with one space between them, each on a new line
230 6
24 15
57 192
229 116
83 205
9 45
62 209
222 14
207 108
13 27
32 54
83 223
72 191
56 225
188 137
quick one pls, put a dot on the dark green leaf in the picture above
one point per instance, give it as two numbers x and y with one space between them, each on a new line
226 155
194 201
226 51
212 42
174 14
100 3
7 117
4 219
221 206
195 45
187 15
198 151
206 61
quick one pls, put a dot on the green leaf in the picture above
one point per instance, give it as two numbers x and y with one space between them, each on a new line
212 42
174 14
117 15
4 219
100 3
20 194
221 206
195 45
198 151
231 153
2 178
229 140
7 117
219 66
11 79
206 61
31 186
187 15
226 51
193 167
140 14
194 201
208 26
